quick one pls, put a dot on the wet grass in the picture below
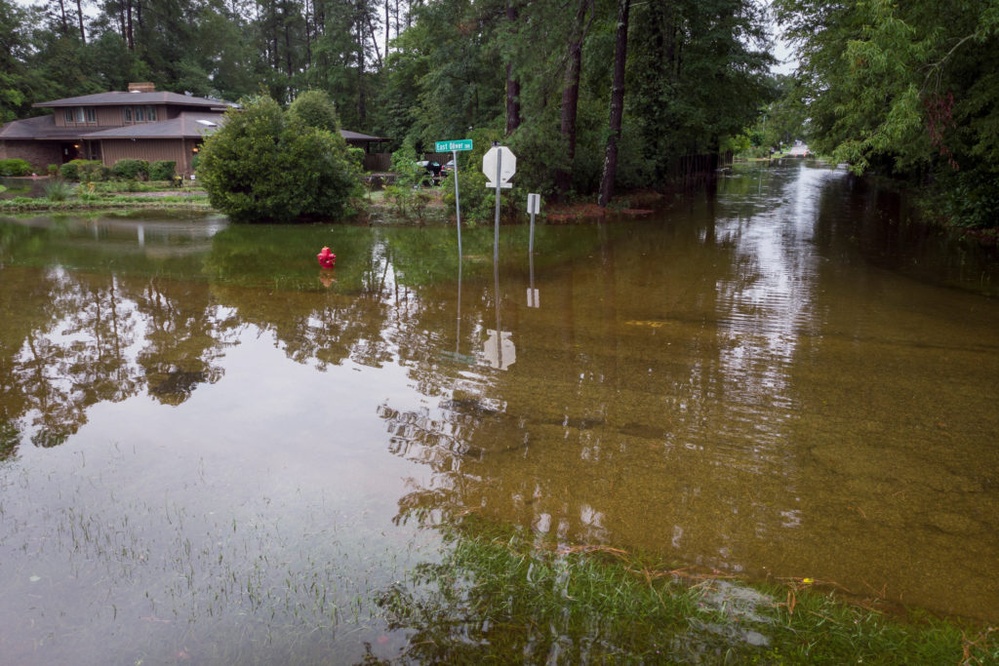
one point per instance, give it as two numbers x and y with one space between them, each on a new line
62 196
500 599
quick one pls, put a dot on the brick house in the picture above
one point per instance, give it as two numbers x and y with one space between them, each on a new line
140 124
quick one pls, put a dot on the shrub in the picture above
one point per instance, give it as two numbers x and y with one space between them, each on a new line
131 170
82 170
162 170
14 167
265 164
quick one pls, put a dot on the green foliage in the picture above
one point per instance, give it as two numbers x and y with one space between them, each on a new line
905 89
162 170
695 72
83 171
499 597
58 190
700 73
408 173
14 167
130 170
314 108
265 164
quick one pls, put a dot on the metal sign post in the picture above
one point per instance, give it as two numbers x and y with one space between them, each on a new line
455 146
533 207
499 163
457 204
499 184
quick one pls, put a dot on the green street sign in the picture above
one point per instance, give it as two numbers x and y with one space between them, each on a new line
454 146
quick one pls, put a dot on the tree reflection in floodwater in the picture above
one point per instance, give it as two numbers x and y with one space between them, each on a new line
755 384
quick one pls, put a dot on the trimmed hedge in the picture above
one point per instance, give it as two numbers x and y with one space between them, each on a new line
162 170
83 171
131 170
14 167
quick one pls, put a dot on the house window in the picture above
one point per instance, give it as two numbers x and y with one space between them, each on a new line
139 114
80 115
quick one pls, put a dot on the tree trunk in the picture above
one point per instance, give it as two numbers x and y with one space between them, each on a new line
79 18
129 31
616 105
512 83
63 22
570 97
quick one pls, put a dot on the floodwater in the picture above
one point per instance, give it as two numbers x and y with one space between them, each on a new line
212 450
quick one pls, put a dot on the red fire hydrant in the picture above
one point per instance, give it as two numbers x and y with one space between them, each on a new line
326 258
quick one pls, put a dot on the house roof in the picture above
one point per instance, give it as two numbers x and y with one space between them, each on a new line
189 125
42 128
186 125
358 136
120 98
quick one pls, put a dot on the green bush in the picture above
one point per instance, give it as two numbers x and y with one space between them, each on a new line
82 170
162 170
268 165
130 170
14 167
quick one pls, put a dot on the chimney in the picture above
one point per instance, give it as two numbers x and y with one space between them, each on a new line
142 87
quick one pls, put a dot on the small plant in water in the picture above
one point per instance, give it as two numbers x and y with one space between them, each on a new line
57 189
500 598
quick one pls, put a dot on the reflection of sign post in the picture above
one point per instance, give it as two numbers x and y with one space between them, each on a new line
499 350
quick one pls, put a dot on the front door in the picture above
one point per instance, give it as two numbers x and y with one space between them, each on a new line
70 152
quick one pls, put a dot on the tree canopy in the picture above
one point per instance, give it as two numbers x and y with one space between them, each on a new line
589 93
534 73
908 89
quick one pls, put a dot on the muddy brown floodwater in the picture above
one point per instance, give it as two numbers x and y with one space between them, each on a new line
209 446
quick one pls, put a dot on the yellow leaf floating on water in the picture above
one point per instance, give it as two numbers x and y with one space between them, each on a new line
645 322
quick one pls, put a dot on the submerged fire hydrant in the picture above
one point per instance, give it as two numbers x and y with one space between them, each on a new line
326 258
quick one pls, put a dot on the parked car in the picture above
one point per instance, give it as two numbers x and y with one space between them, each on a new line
432 172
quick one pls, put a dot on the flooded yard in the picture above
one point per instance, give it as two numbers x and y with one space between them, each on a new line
212 450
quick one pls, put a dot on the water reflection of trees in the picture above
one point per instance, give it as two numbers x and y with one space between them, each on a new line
73 339
100 338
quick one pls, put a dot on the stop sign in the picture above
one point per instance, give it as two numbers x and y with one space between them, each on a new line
502 160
